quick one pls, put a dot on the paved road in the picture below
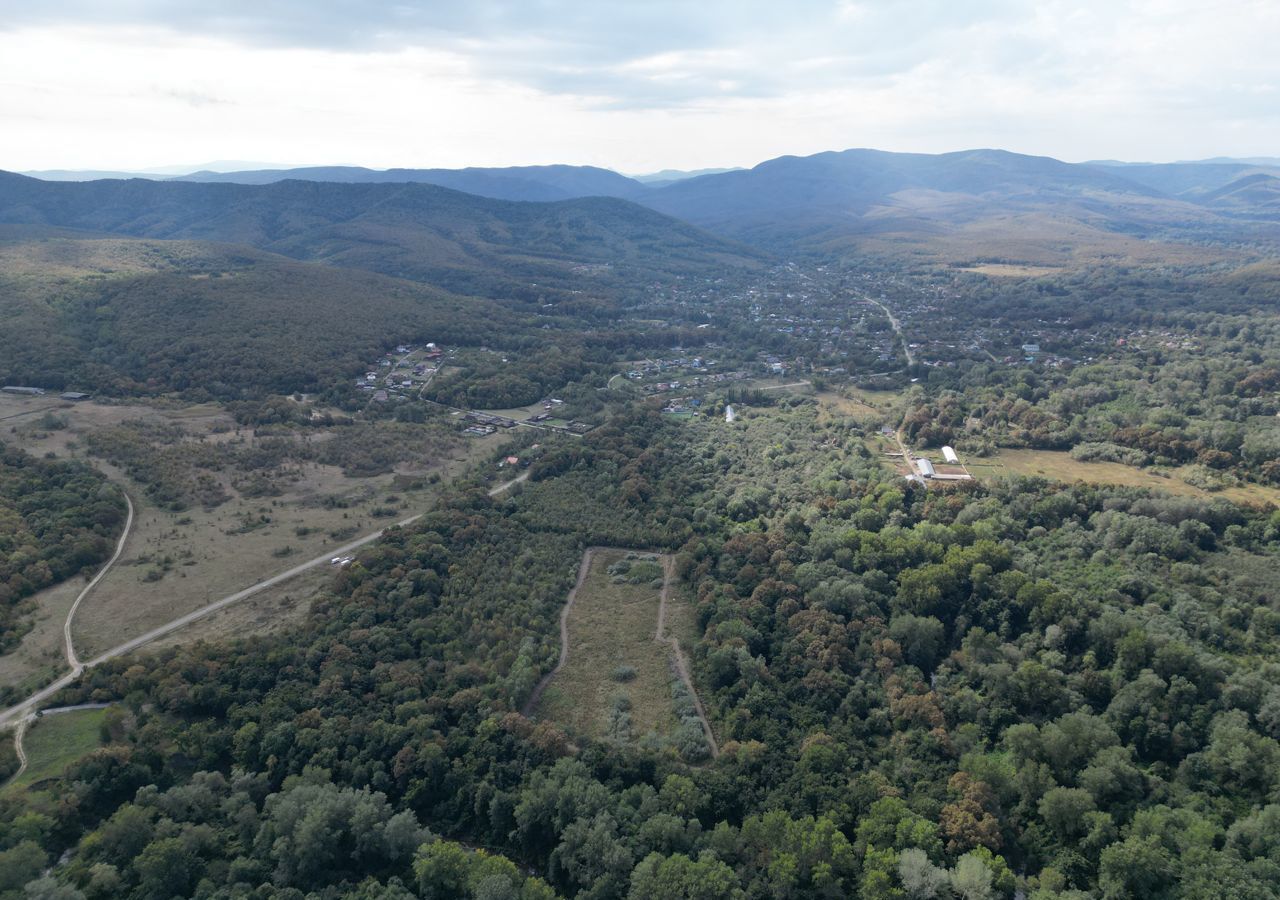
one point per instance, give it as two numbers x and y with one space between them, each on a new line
20 710
73 661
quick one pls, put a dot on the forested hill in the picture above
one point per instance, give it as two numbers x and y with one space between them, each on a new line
831 201
422 232
127 315
509 183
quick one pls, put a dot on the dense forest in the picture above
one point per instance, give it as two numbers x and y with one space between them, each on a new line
57 519
918 693
208 320
977 690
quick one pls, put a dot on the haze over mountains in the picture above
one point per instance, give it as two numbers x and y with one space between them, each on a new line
963 204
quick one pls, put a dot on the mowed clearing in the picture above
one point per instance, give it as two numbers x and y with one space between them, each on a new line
1060 466
614 654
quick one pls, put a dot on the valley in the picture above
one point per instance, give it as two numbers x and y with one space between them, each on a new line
438 517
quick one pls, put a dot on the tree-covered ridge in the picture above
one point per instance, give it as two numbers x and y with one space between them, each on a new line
918 694
57 519
210 320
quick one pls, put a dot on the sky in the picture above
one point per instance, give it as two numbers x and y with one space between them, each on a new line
634 86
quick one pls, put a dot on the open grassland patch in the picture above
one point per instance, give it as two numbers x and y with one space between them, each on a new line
616 682
273 610
53 742
1010 270
38 658
831 403
1060 466
266 519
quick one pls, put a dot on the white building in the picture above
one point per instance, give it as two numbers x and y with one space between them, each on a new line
949 454
925 468
729 414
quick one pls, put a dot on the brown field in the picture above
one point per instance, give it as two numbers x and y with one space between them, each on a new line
1059 466
272 610
38 659
175 562
612 625
1005 270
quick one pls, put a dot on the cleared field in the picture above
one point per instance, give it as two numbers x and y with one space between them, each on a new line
1060 466
38 659
54 742
272 610
177 561
852 407
1006 270
612 629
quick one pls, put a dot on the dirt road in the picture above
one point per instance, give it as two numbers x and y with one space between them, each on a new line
20 732
73 661
682 664
911 360
583 569
660 635
19 710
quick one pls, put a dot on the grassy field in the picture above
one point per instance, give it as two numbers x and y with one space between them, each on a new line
612 625
54 742
1003 270
857 406
272 610
1059 466
177 561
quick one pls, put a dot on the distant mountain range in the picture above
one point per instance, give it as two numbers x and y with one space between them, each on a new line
824 203
423 232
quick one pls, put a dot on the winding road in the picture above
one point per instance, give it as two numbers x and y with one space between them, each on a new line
583 569
20 731
21 711
73 661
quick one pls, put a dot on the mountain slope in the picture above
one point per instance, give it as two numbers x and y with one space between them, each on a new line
121 314
1256 194
463 242
1188 181
538 183
832 201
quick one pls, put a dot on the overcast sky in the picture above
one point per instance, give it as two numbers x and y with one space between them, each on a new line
635 86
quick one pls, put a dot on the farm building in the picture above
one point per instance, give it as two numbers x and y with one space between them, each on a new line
18 389
949 454
925 468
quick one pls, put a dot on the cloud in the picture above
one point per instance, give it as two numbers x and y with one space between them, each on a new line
629 54
632 85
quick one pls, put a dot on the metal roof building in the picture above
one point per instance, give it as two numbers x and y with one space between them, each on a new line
949 454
